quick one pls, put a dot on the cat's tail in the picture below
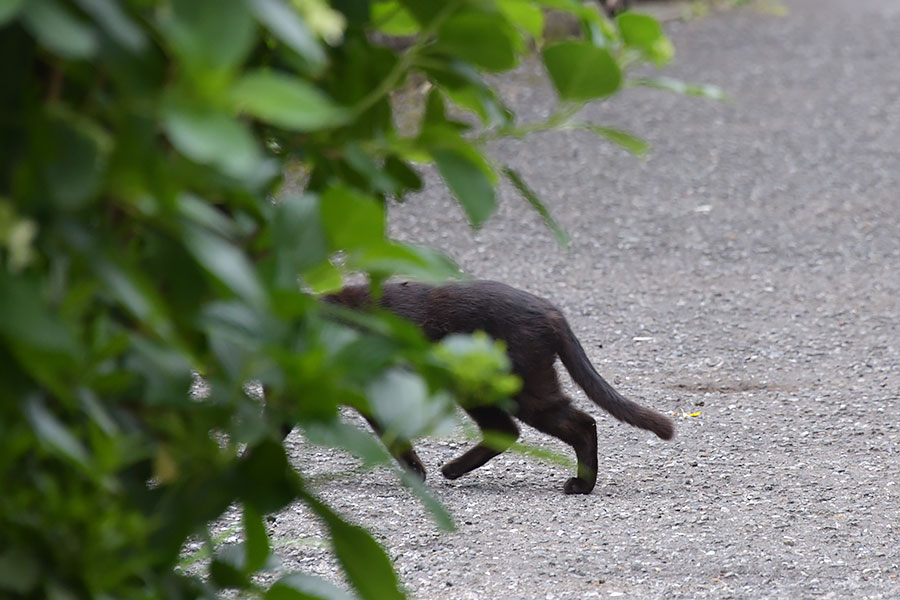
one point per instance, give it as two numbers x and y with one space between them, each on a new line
576 362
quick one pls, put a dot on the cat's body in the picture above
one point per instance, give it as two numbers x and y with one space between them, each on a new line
535 333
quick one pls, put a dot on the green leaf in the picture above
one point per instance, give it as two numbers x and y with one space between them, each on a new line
213 138
351 220
118 25
300 586
58 30
266 479
210 35
323 278
287 25
256 544
367 566
633 144
392 19
79 153
420 262
285 101
228 568
299 240
53 433
582 71
400 403
337 434
19 570
438 511
24 319
679 87
469 182
558 232
644 33
9 9
525 15
404 175
225 262
481 38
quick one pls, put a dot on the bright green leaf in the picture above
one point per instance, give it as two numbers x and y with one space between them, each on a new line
582 71
525 14
392 19
481 38
680 87
419 262
285 101
633 144
644 33
323 277
351 219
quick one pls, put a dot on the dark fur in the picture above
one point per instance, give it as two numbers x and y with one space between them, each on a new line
535 332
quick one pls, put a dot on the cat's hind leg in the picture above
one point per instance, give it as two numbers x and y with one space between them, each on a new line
499 433
556 416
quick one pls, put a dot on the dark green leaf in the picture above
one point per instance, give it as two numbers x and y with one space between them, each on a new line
225 262
286 24
286 101
79 151
256 544
405 176
53 433
367 566
228 568
582 71
644 33
267 481
210 35
19 570
24 319
300 586
9 9
469 182
118 25
561 238
58 30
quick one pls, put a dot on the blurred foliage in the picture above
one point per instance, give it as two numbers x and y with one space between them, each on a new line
145 235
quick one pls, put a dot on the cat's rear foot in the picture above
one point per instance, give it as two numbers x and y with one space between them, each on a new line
452 470
578 486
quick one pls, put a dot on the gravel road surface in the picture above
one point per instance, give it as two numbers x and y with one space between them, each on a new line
748 270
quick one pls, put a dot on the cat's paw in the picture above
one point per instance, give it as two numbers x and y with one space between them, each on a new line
452 471
578 486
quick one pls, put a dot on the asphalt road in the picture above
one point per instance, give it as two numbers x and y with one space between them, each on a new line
748 270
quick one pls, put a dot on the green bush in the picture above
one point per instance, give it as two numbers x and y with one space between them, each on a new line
145 236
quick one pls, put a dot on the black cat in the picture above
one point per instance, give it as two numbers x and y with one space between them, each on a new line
535 332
